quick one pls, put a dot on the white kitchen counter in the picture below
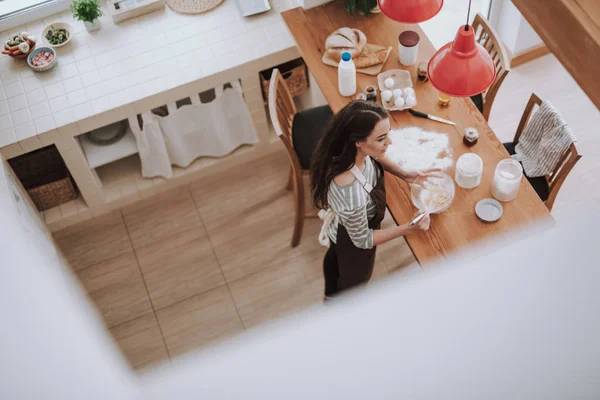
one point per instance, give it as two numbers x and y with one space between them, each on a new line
128 67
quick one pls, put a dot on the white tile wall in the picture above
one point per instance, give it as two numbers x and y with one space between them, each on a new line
73 84
3 107
54 90
68 71
35 96
40 110
25 131
44 124
125 63
6 121
13 89
22 116
17 103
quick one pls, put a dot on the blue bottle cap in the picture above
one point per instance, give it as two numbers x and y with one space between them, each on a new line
346 56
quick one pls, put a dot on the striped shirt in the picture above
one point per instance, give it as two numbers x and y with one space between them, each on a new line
353 207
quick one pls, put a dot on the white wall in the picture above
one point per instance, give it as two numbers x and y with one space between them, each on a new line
514 30
54 345
494 323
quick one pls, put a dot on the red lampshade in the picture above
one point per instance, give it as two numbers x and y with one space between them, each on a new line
462 68
410 11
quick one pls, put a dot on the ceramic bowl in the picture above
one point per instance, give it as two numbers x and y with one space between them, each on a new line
46 67
57 25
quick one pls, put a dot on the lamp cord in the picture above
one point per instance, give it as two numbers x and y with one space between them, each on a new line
468 15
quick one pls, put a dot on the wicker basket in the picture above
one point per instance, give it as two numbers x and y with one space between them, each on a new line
294 73
45 176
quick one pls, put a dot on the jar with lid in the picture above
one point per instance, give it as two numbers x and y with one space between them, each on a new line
507 180
469 169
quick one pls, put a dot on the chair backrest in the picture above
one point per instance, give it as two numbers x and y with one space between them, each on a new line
282 111
486 36
566 163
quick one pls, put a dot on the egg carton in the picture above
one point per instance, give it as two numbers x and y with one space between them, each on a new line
402 81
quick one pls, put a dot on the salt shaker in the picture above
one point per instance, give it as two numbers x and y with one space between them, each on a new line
471 137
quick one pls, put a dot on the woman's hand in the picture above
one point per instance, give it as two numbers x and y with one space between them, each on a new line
413 175
420 226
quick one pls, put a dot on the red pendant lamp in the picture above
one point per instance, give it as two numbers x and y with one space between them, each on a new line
410 11
462 68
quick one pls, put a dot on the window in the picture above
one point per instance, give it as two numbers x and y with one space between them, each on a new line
19 12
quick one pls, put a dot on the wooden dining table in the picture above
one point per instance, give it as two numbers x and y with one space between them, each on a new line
458 226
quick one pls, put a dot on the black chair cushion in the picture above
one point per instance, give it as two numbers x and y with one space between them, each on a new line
307 128
539 184
478 100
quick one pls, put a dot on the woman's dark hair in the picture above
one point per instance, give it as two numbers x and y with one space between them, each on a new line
336 151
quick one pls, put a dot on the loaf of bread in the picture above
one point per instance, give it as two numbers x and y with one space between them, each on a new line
344 40
371 55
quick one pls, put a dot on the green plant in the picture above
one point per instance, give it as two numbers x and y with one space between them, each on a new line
362 6
86 10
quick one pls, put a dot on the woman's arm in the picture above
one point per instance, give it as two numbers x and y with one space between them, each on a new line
408 175
381 236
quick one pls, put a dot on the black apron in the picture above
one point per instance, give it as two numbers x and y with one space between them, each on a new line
345 265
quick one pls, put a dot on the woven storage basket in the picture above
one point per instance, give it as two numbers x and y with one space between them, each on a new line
45 176
294 73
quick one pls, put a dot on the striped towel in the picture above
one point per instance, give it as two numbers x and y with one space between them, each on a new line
544 141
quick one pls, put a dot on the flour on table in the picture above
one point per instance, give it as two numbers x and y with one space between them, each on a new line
416 149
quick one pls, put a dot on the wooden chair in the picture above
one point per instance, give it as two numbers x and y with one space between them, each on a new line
489 39
547 187
299 132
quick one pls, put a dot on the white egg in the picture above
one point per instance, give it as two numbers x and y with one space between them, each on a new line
389 83
410 101
408 92
398 93
399 102
386 95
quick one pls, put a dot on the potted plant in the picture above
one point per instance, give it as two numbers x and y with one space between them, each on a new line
365 7
88 11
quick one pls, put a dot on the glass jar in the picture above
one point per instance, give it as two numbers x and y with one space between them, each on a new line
469 169
507 180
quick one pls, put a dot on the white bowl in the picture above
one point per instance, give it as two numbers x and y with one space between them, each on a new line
46 67
437 183
57 25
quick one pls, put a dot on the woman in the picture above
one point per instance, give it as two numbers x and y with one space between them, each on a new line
347 180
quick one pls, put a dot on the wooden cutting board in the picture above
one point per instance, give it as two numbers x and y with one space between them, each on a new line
372 70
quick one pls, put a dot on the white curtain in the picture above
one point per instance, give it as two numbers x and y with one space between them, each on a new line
199 129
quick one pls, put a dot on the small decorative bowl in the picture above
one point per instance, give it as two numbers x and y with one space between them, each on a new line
22 56
58 25
42 68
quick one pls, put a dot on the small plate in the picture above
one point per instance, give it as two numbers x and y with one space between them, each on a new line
489 210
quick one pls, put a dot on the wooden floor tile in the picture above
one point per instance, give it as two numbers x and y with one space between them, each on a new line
199 321
274 292
94 241
246 189
117 288
161 216
141 341
261 240
179 267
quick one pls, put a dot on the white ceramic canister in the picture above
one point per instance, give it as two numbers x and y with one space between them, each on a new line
469 169
408 47
507 180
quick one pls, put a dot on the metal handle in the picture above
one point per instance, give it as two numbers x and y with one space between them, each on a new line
417 219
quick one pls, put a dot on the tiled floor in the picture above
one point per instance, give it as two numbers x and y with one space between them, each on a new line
178 271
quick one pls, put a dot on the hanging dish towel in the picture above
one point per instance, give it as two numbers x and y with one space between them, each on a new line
151 147
543 142
212 129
